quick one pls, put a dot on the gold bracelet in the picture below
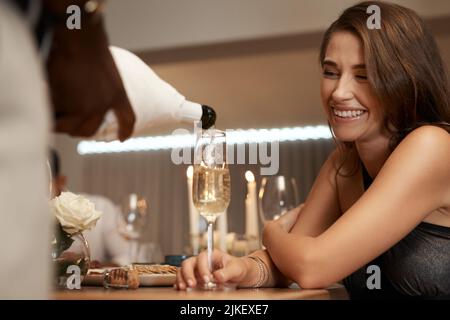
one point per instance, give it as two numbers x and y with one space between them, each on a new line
263 272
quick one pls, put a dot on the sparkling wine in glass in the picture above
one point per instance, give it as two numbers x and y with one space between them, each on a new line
211 184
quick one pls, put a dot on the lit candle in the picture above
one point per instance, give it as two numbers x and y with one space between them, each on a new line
133 201
251 208
193 214
222 225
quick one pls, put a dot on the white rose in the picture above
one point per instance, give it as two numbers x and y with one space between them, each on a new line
74 212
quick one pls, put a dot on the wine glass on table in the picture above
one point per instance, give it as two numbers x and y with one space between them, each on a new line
211 185
277 195
132 222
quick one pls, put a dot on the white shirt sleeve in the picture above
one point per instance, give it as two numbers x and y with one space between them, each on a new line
116 246
105 242
24 212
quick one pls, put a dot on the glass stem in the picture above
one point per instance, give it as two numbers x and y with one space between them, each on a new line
210 245
136 251
130 251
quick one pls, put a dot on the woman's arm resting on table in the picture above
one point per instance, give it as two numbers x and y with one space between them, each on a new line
244 271
321 208
320 211
413 182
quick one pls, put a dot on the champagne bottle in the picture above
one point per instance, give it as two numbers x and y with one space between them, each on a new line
154 101
208 118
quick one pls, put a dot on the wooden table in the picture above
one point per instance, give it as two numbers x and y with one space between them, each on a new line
335 292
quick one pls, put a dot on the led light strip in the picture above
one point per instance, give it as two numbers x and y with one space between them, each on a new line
188 140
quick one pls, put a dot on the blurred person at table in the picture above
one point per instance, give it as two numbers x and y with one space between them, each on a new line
378 215
106 245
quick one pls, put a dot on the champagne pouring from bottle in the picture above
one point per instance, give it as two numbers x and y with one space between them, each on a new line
211 186
154 101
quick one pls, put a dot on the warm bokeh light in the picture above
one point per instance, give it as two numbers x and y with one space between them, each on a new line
249 176
188 140
190 172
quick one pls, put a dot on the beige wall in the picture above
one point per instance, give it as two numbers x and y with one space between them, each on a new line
267 90
151 24
262 89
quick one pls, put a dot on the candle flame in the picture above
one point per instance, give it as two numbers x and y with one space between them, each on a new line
249 176
133 201
190 172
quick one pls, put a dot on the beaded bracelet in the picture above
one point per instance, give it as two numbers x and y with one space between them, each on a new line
263 272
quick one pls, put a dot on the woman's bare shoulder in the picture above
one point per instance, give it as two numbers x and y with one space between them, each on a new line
422 154
426 141
429 134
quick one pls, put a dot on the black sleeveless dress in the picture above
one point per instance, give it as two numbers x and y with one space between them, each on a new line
417 267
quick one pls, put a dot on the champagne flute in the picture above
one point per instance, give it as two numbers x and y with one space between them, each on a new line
277 195
211 184
132 222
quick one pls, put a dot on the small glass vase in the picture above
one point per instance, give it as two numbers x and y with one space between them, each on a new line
71 259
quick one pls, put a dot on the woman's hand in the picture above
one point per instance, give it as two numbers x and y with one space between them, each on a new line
287 220
227 269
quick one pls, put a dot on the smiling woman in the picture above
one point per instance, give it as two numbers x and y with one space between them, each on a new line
378 87
378 214
395 73
349 101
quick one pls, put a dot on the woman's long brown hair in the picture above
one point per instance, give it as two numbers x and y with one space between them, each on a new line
404 68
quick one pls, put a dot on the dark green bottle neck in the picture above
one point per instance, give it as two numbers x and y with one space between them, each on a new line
208 117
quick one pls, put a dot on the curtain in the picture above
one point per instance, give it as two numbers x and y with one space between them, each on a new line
153 175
